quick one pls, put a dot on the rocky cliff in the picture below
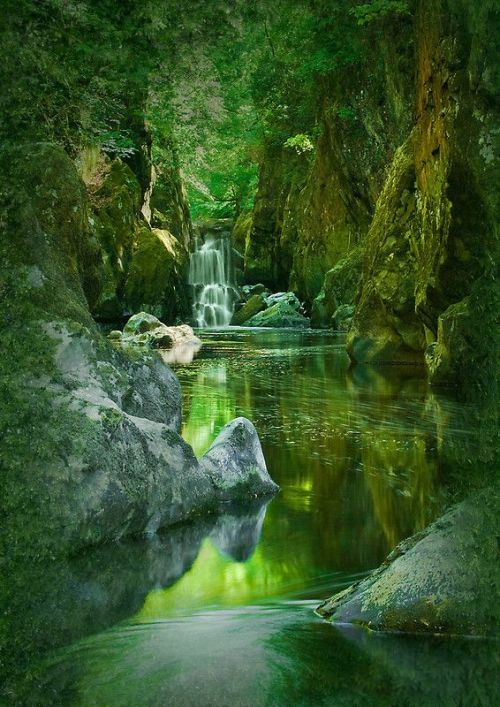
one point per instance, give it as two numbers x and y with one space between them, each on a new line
431 247
405 170
140 217
90 444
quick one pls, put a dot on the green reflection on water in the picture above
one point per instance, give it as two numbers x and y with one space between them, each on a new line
354 452
220 611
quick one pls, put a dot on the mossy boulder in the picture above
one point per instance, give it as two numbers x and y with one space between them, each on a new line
253 306
288 298
340 287
141 323
280 315
442 580
157 275
144 329
90 443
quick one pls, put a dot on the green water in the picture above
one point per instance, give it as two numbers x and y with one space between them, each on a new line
220 612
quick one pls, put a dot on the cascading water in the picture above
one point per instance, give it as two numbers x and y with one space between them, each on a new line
212 278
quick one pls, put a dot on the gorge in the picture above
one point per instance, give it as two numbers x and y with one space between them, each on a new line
313 186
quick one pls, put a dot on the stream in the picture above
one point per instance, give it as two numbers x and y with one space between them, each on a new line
221 611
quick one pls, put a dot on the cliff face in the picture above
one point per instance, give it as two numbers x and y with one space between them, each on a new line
140 217
405 170
310 212
432 241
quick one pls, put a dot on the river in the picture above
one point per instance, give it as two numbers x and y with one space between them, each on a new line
221 611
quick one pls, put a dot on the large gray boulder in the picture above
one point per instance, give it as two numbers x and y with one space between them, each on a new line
91 450
442 580
235 462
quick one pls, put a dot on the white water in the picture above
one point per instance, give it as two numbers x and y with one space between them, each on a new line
212 279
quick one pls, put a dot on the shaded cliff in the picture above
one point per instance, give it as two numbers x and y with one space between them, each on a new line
141 220
432 245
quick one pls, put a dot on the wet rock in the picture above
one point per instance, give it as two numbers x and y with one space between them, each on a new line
144 329
278 316
255 304
288 298
235 462
342 317
442 580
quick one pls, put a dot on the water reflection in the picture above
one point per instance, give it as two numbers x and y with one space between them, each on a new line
181 353
273 655
354 451
83 596
219 612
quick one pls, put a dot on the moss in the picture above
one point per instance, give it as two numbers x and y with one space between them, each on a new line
255 304
157 275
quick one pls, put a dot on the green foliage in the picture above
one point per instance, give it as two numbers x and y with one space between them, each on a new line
345 113
301 143
378 9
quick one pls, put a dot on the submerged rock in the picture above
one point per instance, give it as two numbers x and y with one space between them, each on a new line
442 580
278 316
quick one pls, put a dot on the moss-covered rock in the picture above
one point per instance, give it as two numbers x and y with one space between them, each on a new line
241 231
255 304
280 315
90 444
442 580
168 206
157 276
340 287
342 317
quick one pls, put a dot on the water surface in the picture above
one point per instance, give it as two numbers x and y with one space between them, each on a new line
220 612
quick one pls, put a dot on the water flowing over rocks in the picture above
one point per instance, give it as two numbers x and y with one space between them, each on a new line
211 276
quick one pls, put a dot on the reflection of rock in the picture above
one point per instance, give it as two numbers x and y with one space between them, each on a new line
421 670
235 462
89 593
237 533
182 353
443 580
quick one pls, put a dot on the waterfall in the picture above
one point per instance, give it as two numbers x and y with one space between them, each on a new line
211 276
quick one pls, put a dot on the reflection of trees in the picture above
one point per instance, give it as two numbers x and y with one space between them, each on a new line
354 452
